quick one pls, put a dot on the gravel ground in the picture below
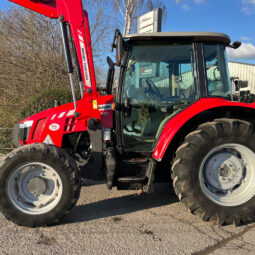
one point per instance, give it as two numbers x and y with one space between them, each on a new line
119 222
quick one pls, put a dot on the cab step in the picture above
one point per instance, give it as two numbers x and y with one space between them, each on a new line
133 179
131 182
135 160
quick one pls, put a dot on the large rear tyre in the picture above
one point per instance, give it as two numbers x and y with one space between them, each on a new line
214 171
39 185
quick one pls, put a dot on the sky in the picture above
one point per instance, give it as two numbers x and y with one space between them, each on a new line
235 18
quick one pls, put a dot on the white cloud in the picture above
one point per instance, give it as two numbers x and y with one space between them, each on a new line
185 4
248 1
246 38
248 7
200 1
246 51
248 10
185 7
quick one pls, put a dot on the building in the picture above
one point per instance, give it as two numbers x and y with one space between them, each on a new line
244 72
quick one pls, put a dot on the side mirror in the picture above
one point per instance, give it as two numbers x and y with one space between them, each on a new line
235 45
118 43
110 62
110 76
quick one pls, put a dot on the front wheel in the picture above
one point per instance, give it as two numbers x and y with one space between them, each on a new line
39 185
214 171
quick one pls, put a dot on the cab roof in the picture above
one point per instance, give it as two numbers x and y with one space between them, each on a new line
181 36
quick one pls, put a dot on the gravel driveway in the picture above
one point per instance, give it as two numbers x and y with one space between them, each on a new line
119 222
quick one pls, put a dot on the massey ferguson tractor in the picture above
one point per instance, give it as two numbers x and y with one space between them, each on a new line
171 116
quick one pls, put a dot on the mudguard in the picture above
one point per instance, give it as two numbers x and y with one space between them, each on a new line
174 125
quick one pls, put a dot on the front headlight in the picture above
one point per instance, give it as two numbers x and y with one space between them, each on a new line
24 130
21 132
26 124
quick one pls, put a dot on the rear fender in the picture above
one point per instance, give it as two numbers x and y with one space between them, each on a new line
174 125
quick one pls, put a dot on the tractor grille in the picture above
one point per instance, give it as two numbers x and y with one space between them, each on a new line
69 124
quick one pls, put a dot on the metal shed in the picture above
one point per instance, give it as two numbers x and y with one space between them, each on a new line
245 72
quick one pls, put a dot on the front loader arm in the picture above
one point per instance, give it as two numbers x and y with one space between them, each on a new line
71 12
47 8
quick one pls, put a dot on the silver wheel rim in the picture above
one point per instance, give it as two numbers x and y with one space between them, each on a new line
34 188
227 174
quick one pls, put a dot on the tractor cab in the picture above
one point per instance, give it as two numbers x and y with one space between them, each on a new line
161 75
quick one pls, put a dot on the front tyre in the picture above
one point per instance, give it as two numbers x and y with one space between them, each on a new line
214 171
39 185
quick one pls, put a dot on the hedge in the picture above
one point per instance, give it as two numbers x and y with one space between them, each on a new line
45 100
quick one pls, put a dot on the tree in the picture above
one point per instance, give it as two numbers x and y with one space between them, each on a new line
31 56
31 52
131 9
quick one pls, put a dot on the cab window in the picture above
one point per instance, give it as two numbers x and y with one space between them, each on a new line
160 81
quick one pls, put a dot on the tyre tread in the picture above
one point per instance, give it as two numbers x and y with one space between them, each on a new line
67 163
181 168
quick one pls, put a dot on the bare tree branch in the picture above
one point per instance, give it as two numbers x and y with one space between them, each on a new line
118 5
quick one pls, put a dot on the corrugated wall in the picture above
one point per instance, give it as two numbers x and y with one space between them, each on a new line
244 72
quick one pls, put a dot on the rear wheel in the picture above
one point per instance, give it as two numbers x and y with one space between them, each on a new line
39 185
214 171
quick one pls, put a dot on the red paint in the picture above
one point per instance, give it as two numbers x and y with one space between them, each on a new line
174 125
48 9
38 129
69 124
90 56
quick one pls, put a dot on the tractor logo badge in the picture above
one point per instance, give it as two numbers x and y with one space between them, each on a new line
54 127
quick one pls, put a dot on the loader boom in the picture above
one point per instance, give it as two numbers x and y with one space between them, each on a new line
70 12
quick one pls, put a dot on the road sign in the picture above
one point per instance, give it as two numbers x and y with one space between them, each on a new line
150 22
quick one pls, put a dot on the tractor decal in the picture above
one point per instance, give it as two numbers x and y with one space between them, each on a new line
61 115
70 113
84 61
105 107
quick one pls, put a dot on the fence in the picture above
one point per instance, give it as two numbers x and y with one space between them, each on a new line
6 143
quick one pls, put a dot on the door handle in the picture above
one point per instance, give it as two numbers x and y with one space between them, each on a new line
127 109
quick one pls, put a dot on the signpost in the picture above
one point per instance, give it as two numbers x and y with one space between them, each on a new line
150 22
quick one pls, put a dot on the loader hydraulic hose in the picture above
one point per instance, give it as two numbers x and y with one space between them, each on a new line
66 45
63 27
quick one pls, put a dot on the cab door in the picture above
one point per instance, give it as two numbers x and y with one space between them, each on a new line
158 83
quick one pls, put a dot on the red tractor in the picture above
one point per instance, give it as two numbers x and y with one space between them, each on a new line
171 116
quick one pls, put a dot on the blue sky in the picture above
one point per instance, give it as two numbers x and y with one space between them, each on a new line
233 17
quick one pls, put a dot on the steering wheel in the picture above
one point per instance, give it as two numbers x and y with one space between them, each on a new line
134 129
152 89
216 69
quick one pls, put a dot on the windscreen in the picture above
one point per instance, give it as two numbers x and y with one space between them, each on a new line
163 74
218 80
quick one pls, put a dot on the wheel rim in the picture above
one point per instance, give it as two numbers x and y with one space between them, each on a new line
227 174
34 188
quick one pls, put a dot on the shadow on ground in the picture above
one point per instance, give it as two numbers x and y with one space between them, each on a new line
163 195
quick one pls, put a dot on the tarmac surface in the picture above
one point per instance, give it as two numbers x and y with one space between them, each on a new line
120 222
